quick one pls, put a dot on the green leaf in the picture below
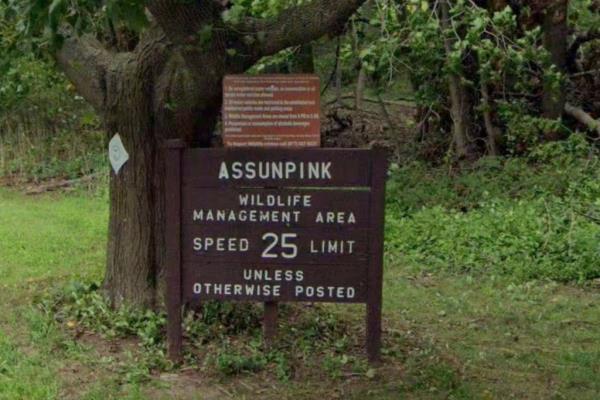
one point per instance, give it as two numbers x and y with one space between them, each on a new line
54 13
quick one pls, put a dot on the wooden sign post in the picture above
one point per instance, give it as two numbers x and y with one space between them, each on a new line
273 225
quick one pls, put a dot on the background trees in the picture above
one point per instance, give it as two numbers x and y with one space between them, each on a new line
489 77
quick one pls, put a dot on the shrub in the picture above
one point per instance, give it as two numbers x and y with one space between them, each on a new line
507 217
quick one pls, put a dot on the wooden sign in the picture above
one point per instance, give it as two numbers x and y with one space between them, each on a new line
271 111
273 225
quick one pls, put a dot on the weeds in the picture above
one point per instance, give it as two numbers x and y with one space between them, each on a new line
221 338
62 155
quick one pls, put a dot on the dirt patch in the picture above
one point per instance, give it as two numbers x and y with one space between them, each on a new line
409 362
105 360
188 384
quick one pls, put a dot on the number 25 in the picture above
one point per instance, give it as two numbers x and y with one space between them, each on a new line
288 250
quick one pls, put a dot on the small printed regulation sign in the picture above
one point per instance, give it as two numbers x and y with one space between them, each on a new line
271 111
275 225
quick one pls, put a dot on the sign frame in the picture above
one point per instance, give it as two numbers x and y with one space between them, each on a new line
175 152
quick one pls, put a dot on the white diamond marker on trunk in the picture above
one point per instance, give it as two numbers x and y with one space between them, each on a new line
117 154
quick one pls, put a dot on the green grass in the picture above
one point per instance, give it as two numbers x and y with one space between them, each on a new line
49 237
24 376
43 240
536 340
491 292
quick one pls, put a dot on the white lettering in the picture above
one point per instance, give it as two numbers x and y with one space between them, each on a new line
276 170
223 173
221 244
325 292
236 169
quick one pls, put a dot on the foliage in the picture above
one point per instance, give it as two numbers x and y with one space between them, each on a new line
87 307
507 217
220 327
22 74
234 363
105 18
258 8
489 49
46 18
27 158
379 33
493 51
584 15
46 129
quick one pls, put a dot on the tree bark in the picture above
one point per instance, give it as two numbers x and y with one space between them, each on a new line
132 264
497 5
299 24
85 62
361 80
556 30
146 112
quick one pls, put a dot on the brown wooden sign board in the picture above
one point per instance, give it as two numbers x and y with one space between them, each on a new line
271 111
274 225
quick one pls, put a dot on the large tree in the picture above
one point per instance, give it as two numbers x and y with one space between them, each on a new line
167 84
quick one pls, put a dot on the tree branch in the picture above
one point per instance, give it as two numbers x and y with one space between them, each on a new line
294 26
583 117
85 62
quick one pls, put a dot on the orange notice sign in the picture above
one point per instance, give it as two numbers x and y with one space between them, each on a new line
271 111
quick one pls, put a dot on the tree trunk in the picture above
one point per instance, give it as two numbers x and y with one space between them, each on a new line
460 104
132 265
145 111
493 132
556 30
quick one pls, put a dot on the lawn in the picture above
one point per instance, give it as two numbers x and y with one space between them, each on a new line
456 325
